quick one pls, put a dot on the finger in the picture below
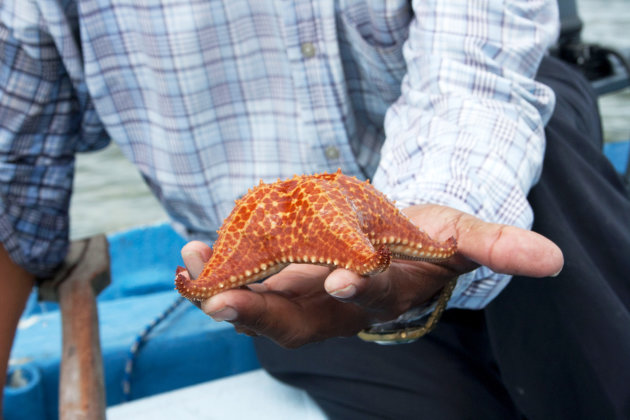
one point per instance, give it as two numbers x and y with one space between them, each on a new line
344 284
505 249
244 330
388 294
374 294
195 254
508 249
297 279
289 322
251 312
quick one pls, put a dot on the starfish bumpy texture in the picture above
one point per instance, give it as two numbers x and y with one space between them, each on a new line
325 219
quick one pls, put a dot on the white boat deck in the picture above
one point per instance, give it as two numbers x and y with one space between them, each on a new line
253 394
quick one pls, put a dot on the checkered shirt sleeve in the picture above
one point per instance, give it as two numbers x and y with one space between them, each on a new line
44 121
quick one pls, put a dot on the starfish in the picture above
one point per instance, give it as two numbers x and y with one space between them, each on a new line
325 219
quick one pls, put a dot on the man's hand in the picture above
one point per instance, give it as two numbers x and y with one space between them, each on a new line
308 303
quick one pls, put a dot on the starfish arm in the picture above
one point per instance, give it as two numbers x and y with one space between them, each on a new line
243 252
387 226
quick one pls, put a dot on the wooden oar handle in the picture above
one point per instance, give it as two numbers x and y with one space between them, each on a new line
84 274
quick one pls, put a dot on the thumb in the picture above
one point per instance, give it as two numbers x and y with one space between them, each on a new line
508 249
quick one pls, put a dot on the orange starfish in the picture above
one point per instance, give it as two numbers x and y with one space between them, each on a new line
326 219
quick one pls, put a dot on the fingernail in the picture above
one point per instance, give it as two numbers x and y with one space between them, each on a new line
194 263
227 313
556 274
345 293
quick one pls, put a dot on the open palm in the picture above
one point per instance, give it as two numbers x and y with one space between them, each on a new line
306 303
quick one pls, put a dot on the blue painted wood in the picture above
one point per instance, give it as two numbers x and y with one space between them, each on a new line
618 153
187 348
25 398
143 261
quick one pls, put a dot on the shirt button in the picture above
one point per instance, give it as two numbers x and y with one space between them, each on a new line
308 50
332 152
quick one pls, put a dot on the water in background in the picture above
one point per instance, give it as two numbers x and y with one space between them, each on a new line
606 22
110 194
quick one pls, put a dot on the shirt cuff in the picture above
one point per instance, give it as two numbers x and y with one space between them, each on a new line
36 239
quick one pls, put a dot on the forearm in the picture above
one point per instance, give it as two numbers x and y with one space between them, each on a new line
468 129
15 287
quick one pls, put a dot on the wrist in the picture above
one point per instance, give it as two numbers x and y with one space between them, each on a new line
414 323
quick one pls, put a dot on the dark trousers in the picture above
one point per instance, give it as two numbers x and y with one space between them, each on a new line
556 348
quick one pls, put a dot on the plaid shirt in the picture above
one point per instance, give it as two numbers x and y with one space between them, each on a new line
207 97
